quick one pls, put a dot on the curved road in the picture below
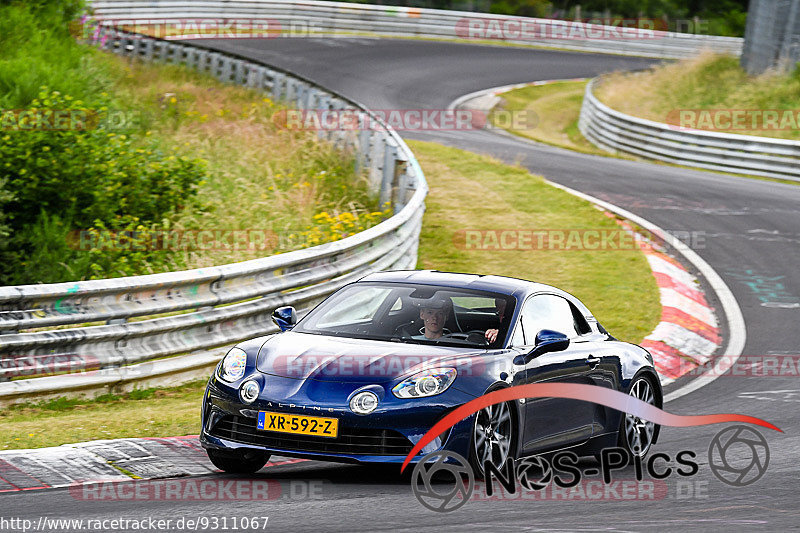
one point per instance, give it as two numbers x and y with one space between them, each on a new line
752 231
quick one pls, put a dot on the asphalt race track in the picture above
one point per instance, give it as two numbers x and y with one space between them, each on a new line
752 239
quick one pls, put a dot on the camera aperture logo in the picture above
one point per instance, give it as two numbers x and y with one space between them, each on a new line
738 456
456 491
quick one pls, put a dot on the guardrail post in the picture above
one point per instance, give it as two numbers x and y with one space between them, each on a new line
338 134
323 104
362 153
212 63
254 76
225 69
267 81
289 84
198 59
389 158
243 72
145 48
129 50
278 84
399 184
175 52
192 57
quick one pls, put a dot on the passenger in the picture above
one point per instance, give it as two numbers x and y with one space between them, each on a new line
500 310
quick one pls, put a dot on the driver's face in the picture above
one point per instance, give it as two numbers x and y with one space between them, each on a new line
434 321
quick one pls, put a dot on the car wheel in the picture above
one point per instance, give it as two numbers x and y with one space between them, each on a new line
493 437
238 462
635 434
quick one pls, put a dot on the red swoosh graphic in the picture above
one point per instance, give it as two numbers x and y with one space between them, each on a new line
589 393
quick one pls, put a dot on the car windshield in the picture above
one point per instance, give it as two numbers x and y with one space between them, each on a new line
423 314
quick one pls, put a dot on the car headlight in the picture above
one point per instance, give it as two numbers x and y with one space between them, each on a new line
249 391
232 366
426 383
364 402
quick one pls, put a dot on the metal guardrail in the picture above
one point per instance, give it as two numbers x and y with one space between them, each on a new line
216 306
340 17
740 154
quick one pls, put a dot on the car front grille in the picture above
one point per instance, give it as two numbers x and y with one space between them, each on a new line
350 440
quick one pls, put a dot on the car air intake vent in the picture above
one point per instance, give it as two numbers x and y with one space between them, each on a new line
350 440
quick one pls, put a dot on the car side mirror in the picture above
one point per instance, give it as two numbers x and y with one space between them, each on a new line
547 341
285 317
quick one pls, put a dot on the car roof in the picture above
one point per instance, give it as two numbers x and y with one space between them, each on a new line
519 288
501 284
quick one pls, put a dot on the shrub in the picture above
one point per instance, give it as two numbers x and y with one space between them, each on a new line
60 180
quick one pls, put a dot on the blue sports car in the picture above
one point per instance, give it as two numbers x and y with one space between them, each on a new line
366 373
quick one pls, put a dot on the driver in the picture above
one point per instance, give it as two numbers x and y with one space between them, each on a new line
433 314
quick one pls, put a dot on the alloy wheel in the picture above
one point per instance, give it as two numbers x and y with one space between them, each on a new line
492 435
639 432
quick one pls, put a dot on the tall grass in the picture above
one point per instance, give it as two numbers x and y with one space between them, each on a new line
260 176
709 81
37 50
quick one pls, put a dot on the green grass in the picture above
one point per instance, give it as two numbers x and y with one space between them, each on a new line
558 107
140 413
470 191
709 81
30 57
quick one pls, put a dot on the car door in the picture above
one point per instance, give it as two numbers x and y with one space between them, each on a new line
605 373
603 360
555 422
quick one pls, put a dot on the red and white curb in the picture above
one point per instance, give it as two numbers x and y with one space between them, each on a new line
688 333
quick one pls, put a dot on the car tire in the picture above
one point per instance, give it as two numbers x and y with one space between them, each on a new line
238 462
632 429
502 432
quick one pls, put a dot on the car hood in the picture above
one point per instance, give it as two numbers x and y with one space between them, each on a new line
319 357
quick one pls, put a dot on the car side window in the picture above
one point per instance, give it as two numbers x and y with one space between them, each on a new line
547 311
580 321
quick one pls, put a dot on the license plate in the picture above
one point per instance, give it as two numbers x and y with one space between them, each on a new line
299 424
